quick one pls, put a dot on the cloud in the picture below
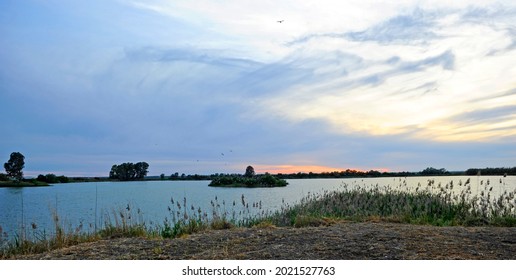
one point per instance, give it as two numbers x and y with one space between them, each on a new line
414 28
402 29
487 115
496 124
442 68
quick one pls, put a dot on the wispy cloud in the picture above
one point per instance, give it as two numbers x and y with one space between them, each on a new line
415 28
403 29
388 96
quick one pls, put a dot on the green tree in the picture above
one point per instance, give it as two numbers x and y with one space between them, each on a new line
3 177
63 179
15 165
174 176
249 172
140 169
129 171
123 172
434 171
41 178
51 178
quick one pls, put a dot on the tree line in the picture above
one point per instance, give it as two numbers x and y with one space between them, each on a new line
492 171
350 173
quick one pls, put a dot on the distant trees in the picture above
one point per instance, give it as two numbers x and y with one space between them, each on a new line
52 178
129 171
492 171
15 165
434 171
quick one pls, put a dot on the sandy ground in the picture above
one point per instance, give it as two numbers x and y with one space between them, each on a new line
339 241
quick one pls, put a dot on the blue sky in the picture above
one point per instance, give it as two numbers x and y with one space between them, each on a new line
213 86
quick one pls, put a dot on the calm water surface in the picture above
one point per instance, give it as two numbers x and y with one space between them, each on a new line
80 203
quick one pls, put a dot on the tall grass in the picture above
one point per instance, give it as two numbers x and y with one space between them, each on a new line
433 204
32 240
186 219
182 219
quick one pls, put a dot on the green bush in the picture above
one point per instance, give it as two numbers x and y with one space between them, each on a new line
262 181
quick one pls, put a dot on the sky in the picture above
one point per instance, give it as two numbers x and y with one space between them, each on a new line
214 86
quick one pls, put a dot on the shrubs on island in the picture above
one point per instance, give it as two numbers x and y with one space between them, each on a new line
258 181
52 178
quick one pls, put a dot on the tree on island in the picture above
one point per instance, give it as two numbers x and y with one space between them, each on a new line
249 172
14 166
140 169
129 171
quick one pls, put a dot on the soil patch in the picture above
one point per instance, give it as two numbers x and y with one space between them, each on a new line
338 241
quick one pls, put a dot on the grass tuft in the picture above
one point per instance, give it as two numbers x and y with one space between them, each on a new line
440 208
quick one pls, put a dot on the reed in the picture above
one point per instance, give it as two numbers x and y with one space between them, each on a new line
33 240
437 205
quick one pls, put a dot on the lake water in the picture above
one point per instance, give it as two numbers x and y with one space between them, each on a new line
83 203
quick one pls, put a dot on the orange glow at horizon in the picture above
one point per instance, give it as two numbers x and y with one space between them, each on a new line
289 169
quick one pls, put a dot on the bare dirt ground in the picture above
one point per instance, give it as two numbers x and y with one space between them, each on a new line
339 241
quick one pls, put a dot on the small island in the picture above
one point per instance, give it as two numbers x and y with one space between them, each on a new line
248 180
27 183
14 176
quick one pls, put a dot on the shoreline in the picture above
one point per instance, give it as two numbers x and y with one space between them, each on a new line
245 186
92 180
24 185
